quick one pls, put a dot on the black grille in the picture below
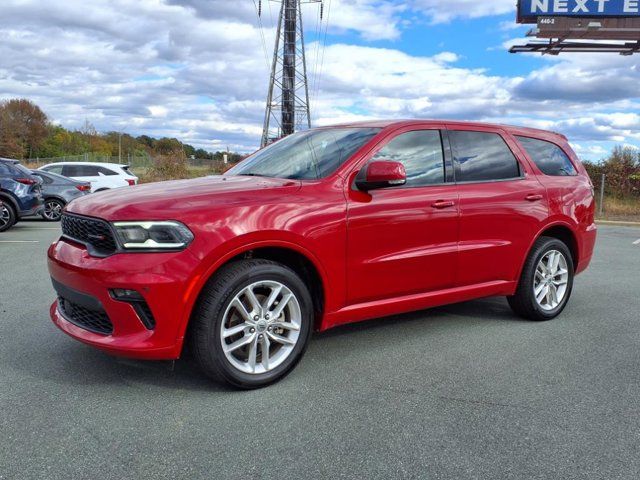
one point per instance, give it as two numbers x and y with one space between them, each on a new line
92 320
94 233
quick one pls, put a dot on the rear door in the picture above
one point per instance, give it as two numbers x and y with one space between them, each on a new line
502 204
403 240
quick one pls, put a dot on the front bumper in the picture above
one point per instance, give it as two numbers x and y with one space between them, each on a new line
163 280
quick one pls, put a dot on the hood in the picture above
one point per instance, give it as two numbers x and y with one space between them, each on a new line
174 199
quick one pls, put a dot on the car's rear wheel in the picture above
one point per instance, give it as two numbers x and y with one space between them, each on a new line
8 216
546 282
252 323
52 211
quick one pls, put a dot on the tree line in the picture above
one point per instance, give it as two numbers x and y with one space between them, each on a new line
27 133
621 170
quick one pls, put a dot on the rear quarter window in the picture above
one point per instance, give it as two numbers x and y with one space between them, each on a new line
107 171
548 157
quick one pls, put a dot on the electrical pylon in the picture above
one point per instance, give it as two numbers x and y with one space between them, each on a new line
288 108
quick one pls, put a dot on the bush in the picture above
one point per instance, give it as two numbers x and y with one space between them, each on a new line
169 166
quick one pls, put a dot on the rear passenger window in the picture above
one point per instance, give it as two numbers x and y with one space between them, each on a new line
549 158
482 157
421 154
80 171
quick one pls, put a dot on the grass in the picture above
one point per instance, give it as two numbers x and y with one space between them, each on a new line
621 209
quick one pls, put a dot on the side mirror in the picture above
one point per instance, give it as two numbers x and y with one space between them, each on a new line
381 174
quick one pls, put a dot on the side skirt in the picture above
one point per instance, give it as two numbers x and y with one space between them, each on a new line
411 303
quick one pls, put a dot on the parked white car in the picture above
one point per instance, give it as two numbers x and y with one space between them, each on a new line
102 176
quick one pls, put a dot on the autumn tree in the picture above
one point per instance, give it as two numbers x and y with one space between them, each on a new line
23 128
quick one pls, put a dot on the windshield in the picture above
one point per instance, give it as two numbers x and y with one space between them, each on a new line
308 155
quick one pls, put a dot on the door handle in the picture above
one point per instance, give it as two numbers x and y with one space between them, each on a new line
440 204
534 197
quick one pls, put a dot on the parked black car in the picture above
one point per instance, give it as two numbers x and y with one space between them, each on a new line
20 193
57 192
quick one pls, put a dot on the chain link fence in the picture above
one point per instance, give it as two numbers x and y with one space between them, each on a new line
137 163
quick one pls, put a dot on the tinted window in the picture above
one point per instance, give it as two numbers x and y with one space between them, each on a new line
421 154
80 171
4 169
482 156
106 171
549 158
311 154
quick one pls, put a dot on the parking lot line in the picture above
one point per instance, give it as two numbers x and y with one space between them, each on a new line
19 241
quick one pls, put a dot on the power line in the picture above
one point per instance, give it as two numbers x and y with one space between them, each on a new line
261 29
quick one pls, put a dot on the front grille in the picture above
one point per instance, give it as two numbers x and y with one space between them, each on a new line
94 233
95 321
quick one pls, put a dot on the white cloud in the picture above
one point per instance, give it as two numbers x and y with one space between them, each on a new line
196 69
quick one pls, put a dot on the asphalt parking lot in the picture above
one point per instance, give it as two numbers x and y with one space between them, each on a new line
465 391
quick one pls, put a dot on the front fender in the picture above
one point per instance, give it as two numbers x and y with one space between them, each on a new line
235 247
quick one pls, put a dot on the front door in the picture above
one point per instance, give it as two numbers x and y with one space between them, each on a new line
403 240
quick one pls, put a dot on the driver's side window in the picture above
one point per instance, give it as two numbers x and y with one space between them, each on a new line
421 153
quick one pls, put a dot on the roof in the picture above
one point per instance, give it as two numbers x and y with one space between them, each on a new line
9 160
104 164
516 130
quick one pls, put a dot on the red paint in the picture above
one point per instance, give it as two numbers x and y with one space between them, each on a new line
378 253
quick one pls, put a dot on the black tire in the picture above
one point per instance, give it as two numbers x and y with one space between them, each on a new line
55 214
205 329
8 216
524 302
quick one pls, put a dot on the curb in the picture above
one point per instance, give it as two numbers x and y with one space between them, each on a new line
618 223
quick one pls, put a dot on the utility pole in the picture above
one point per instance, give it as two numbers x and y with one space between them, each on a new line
288 97
119 147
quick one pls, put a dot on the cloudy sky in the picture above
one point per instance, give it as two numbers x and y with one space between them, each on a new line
198 70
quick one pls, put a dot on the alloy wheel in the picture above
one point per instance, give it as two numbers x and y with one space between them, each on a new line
5 215
551 280
261 327
52 210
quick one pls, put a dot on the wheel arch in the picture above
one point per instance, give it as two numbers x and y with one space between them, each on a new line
566 236
563 232
292 255
55 197
11 201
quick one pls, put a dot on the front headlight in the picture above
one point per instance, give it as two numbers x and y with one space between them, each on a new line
153 235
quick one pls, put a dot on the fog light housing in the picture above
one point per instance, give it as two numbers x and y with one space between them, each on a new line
139 304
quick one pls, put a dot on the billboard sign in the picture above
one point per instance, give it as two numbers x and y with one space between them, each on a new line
530 10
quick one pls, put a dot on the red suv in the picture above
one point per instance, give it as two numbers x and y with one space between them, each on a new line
325 227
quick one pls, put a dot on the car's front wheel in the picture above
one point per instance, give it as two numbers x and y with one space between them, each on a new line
52 211
546 281
252 323
8 216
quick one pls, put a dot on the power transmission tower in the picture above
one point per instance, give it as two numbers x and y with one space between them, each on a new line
288 106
